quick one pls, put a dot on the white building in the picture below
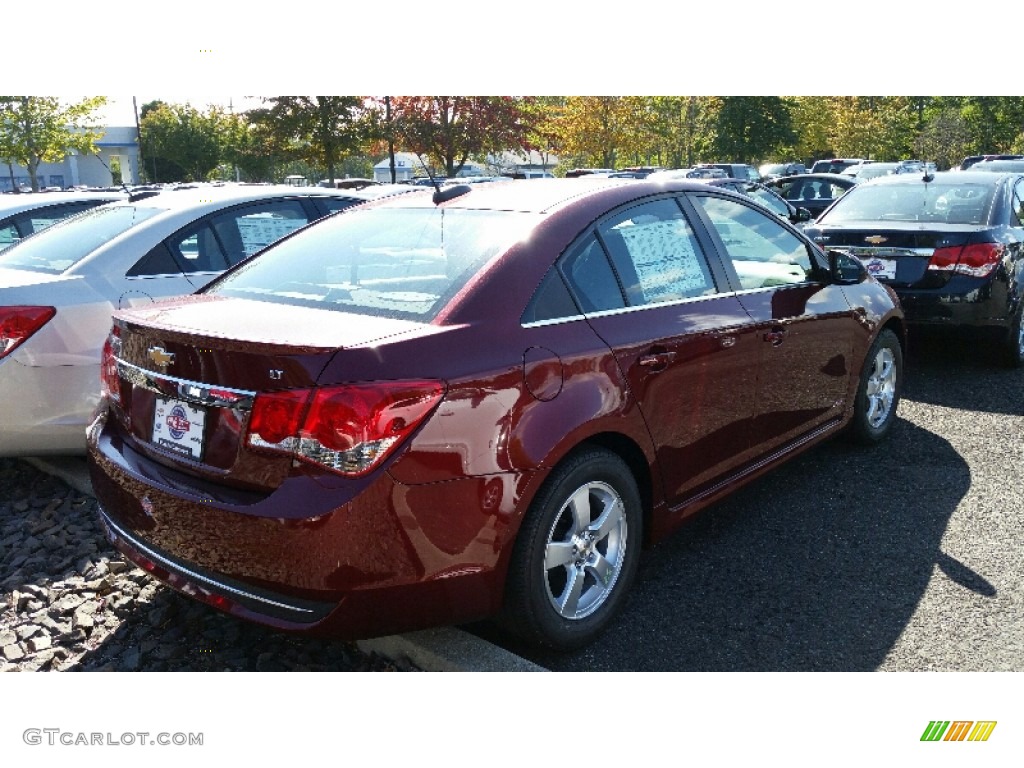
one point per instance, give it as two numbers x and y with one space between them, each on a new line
121 142
408 165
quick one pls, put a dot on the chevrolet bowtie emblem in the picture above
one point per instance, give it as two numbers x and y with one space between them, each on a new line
875 239
160 357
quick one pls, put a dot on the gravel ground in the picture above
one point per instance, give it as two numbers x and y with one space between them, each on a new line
69 601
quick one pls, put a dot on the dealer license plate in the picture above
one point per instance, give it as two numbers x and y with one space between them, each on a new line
178 427
882 269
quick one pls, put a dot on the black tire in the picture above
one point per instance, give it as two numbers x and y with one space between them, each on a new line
878 394
557 549
1012 348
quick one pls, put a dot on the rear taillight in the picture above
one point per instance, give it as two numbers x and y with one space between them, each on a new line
18 323
348 429
978 260
110 382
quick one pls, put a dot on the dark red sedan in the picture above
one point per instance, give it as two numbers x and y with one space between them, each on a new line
479 403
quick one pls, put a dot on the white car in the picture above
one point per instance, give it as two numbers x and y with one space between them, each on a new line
59 288
25 214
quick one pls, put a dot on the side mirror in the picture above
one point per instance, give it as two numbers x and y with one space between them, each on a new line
802 215
845 269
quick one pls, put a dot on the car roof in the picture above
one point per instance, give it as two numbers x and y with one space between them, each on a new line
820 177
942 177
200 197
544 195
28 200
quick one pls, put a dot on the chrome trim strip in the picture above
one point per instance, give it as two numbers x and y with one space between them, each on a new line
881 250
179 569
193 392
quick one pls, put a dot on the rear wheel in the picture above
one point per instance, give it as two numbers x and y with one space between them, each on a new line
576 554
878 393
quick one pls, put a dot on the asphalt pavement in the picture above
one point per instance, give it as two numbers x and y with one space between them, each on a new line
903 556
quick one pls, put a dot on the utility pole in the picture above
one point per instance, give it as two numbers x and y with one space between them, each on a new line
391 137
138 132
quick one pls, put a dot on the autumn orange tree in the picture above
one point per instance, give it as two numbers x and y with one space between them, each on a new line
452 129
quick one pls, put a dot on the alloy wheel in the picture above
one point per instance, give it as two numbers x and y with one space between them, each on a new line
881 387
585 550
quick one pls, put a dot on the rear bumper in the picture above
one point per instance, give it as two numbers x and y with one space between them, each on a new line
45 409
967 302
344 562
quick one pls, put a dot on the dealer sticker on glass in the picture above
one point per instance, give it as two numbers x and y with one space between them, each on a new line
884 269
178 427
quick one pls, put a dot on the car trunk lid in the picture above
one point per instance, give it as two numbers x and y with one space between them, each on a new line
901 256
189 371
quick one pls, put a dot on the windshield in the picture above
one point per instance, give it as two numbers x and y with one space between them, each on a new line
61 246
391 262
950 202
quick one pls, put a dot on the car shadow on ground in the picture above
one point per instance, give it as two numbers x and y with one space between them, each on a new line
819 565
942 368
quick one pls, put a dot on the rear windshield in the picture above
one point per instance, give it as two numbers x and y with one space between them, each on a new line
61 246
951 203
391 262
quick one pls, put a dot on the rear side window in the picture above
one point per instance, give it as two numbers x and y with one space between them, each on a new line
588 272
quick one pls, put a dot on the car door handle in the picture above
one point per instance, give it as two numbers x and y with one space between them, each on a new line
657 360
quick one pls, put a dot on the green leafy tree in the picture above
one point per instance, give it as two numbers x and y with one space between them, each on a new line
42 129
682 129
945 138
751 128
182 143
318 130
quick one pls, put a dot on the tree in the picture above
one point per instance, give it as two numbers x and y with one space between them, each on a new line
752 128
593 130
316 129
683 129
451 129
42 129
183 143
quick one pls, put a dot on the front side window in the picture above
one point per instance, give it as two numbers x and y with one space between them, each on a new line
656 254
763 252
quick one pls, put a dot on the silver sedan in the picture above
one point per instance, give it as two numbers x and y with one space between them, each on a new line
59 288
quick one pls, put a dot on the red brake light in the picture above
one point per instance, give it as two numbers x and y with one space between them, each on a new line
18 323
110 382
348 429
276 418
977 260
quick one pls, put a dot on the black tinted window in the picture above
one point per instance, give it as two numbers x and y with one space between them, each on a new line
591 277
